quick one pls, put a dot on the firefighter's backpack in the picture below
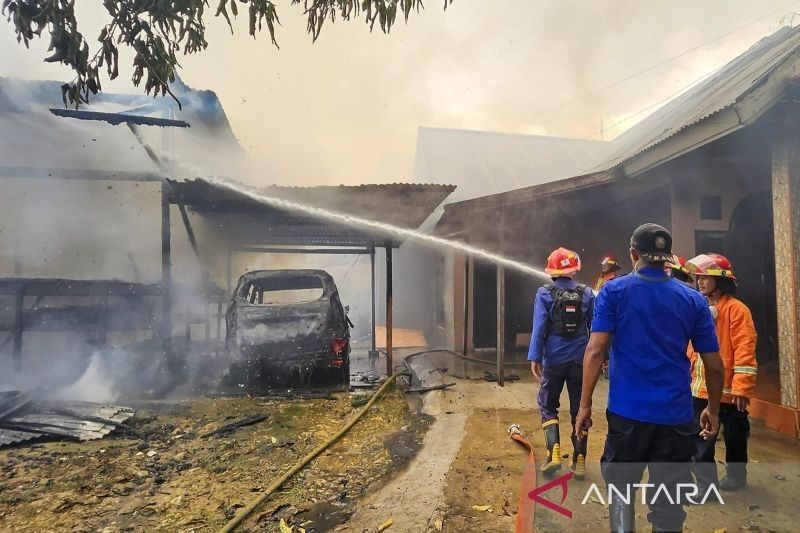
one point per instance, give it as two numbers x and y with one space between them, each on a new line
567 311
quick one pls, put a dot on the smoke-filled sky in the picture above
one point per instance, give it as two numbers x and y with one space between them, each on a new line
346 109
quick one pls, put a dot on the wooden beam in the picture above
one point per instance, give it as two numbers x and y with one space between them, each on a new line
320 251
501 324
116 119
189 230
166 273
71 287
466 305
374 297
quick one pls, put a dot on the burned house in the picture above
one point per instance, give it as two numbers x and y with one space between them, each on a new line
718 165
110 239
479 163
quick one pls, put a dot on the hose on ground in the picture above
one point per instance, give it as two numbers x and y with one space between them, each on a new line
525 508
465 357
247 511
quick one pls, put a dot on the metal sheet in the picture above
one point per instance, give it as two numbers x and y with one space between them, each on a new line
248 221
82 422
720 90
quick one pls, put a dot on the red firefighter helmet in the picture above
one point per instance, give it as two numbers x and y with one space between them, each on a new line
611 262
711 264
563 262
679 263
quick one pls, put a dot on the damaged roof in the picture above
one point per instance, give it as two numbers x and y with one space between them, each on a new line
734 96
32 136
25 418
405 205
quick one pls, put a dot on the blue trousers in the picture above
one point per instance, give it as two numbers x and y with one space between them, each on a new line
553 379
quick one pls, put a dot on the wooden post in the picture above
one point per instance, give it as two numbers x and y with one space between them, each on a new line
219 320
188 331
501 324
18 327
466 304
229 273
374 294
389 366
166 274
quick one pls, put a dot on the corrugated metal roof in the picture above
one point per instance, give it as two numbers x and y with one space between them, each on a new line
720 90
405 205
484 162
723 89
52 419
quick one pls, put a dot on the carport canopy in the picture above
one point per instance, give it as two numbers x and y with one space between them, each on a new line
251 225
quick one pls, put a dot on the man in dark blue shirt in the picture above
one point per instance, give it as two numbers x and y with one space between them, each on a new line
561 314
648 319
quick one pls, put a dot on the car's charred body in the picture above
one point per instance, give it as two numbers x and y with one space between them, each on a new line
287 327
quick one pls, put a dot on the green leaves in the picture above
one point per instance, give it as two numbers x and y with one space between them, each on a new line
157 30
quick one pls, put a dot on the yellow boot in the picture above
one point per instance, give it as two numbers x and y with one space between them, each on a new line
552 441
578 467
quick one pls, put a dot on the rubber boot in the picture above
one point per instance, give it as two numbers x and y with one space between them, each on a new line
553 443
579 446
622 516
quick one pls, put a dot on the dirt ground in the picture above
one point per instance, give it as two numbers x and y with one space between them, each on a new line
487 471
466 478
175 479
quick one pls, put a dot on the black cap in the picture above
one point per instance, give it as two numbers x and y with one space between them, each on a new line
653 242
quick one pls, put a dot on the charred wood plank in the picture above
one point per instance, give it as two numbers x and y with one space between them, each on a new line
18 327
118 118
229 428
432 387
71 287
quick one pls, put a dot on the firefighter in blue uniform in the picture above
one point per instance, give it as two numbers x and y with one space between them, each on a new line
648 319
561 315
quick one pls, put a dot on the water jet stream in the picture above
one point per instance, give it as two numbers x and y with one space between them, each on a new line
382 227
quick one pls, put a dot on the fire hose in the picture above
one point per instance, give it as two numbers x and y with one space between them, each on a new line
526 506
247 511
466 357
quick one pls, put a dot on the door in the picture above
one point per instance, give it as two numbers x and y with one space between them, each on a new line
484 306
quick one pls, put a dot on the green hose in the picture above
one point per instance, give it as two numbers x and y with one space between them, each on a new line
466 358
247 511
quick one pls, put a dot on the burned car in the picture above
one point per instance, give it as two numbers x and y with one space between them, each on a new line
287 327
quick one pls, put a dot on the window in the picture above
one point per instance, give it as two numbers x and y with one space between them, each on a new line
287 288
711 207
709 241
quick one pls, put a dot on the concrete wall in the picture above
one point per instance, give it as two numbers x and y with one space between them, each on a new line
687 187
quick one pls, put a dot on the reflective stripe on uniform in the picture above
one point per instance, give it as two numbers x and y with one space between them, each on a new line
745 370
697 382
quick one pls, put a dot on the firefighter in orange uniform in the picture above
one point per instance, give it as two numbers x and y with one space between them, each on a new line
608 271
677 269
737 342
